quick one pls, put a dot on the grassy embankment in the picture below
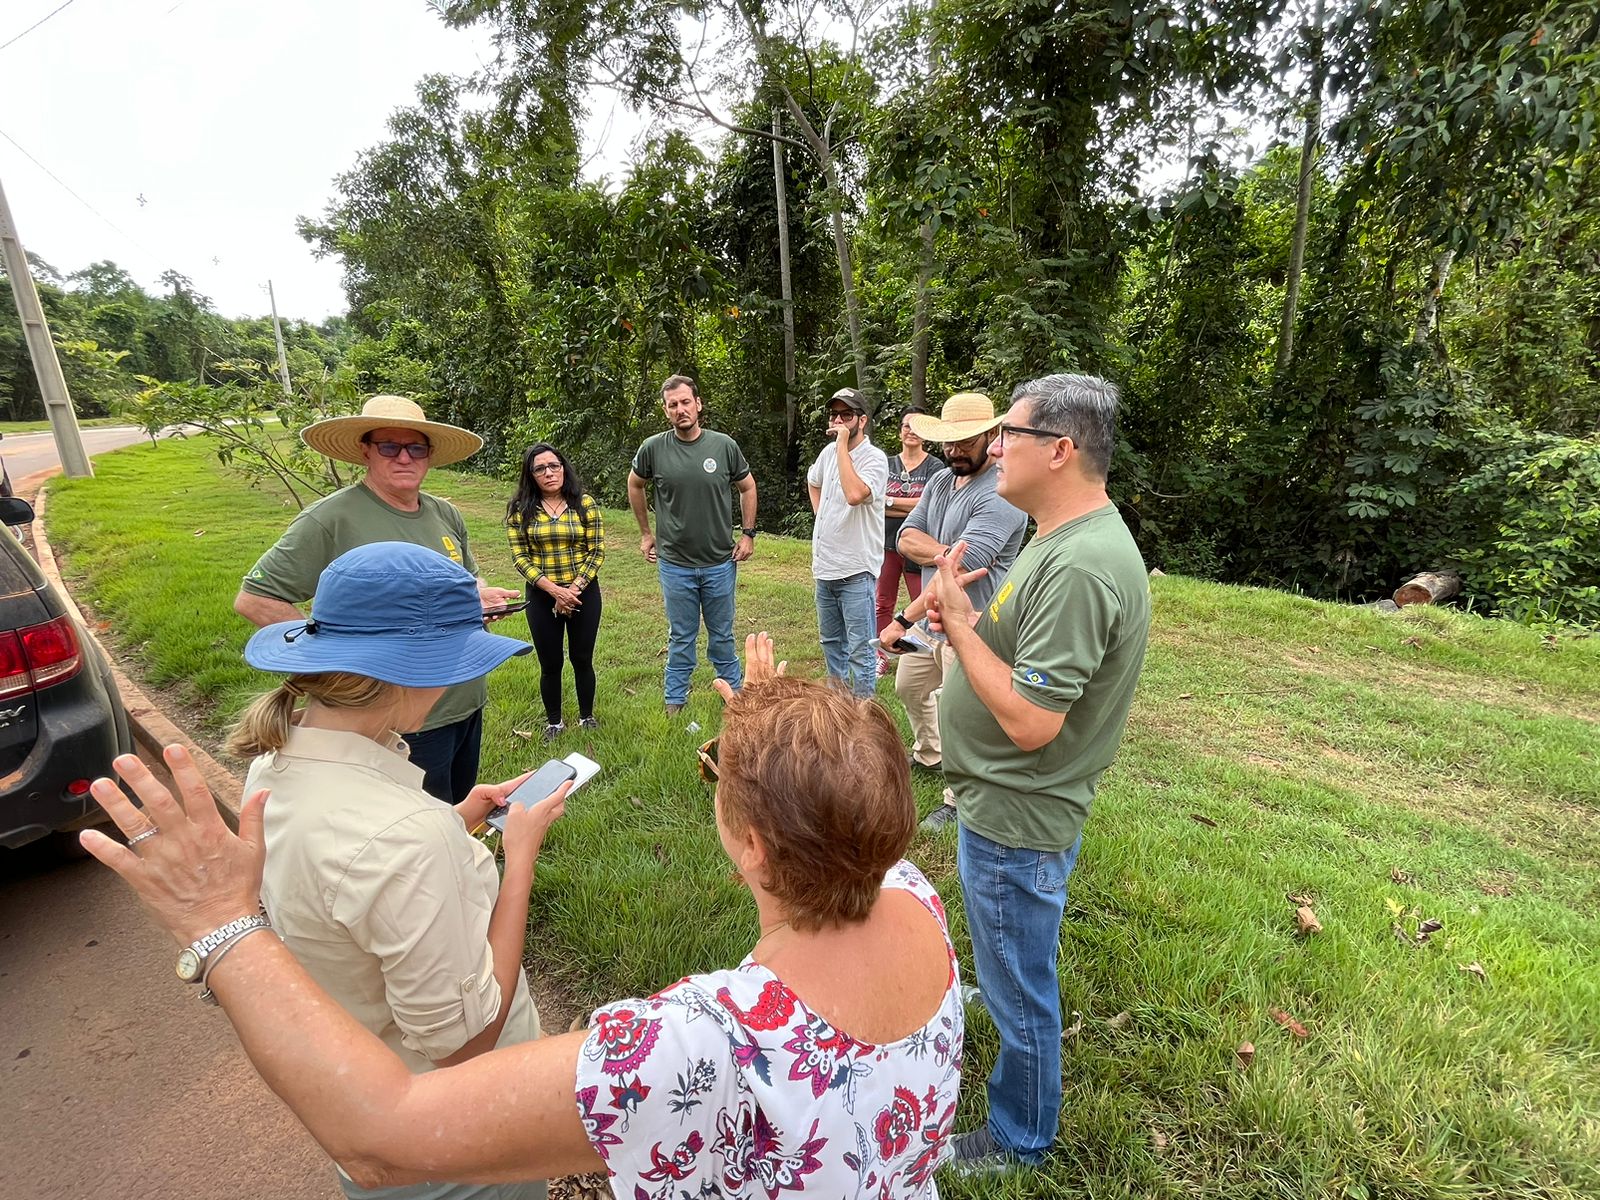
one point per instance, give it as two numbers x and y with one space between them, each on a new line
1384 769
42 425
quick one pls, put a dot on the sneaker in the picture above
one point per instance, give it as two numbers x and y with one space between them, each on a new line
673 709
588 723
937 768
939 819
553 731
975 1154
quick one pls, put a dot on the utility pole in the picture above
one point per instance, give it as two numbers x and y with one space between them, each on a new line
277 332
42 350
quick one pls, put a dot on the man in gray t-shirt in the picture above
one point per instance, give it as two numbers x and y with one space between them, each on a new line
692 546
959 503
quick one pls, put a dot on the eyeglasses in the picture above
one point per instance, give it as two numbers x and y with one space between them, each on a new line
844 414
547 469
418 450
708 761
1024 429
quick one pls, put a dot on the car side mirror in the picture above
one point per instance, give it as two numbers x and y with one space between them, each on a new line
14 510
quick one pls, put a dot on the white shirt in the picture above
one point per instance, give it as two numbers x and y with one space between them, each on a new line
847 539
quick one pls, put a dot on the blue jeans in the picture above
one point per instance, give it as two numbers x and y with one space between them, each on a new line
689 594
1014 901
846 612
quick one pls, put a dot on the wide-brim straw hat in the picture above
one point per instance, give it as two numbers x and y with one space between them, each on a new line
964 415
393 611
340 437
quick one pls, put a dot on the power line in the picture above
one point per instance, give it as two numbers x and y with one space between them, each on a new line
63 185
35 25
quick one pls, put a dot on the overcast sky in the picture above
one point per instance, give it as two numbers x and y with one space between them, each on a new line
199 130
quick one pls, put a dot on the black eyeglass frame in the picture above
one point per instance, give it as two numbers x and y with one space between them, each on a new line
1032 432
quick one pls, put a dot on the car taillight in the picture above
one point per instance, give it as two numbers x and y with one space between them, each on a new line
52 651
14 677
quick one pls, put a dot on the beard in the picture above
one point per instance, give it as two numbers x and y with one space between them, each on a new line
961 465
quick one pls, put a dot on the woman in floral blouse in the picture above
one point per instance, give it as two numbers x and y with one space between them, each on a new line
825 1064
558 543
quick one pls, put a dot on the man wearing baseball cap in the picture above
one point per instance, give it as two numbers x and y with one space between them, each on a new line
397 444
960 503
847 485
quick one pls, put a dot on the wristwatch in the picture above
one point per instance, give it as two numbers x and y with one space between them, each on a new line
749 533
902 620
192 958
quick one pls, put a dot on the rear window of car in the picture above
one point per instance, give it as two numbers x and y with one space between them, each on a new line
13 578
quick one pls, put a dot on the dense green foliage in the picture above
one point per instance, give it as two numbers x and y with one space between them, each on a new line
114 339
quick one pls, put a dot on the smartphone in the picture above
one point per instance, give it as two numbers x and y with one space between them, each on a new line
576 767
505 611
910 644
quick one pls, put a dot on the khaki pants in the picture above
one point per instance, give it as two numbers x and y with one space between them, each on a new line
918 680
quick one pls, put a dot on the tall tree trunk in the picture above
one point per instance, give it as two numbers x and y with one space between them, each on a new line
1428 315
1302 208
785 283
921 318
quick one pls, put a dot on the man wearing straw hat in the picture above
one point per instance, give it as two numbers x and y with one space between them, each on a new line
959 503
397 444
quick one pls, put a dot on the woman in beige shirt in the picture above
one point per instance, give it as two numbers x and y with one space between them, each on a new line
378 888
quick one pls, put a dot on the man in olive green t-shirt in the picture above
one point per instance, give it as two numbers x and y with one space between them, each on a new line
692 546
1031 715
397 445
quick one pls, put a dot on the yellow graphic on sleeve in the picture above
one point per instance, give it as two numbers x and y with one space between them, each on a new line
1000 598
451 548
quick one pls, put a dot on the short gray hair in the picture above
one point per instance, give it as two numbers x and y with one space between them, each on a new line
1083 407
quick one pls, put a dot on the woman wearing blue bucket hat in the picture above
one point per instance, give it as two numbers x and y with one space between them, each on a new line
378 888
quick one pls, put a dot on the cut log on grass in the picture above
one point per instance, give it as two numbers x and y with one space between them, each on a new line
1428 588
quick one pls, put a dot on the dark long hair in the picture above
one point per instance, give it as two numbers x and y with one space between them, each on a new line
524 502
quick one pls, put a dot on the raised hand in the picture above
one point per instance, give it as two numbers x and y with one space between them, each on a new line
760 663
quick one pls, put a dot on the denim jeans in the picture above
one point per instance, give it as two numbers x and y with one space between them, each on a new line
845 612
689 594
1014 901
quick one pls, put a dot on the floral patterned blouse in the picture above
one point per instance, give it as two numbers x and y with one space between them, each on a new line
726 1085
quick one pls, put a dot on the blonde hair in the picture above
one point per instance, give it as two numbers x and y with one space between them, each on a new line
264 726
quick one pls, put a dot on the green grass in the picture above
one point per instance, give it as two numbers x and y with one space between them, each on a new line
1386 768
42 425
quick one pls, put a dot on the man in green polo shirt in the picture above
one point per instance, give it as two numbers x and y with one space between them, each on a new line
397 445
1031 715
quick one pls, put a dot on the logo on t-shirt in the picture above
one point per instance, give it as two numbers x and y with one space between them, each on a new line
709 466
450 548
1000 598
1037 678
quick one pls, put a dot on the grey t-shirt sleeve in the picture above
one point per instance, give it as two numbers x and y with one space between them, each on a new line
644 465
938 488
993 525
290 569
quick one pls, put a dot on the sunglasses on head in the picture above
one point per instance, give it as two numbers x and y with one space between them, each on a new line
392 449
708 761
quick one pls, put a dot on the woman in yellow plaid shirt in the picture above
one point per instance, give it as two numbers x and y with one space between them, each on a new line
558 543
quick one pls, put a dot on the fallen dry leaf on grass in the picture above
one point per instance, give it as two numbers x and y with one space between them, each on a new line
1476 968
1306 921
1399 876
1073 1030
199 532
1299 898
1203 819
1394 906
1121 1021
1159 1140
1412 641
1246 1054
1289 1023
524 734
1186 696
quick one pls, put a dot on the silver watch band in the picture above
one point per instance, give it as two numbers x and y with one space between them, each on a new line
221 952
226 933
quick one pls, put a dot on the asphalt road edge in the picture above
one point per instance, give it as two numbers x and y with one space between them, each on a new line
152 729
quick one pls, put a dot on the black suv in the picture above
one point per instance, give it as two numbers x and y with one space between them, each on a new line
61 720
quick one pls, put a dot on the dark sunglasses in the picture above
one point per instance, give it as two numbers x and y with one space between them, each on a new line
418 450
1022 429
708 761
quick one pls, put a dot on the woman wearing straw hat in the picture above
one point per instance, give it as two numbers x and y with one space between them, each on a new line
398 446
375 886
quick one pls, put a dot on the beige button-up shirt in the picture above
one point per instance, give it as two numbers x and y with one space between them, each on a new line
382 894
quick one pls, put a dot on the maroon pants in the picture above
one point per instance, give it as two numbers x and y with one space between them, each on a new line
895 566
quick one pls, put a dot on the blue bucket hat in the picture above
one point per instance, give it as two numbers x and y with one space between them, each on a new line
392 611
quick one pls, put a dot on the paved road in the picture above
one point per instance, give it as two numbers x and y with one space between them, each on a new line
26 453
